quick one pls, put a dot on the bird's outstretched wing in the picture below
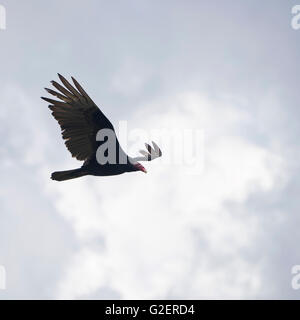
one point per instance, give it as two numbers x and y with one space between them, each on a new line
79 118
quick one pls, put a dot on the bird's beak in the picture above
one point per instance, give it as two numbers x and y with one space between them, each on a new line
140 167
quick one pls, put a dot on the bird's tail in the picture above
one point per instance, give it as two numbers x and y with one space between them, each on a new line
68 174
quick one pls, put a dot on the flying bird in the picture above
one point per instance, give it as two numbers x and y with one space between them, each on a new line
81 121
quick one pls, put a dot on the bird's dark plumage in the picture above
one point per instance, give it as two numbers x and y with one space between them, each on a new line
80 121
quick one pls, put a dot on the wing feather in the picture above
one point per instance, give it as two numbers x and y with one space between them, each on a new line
78 116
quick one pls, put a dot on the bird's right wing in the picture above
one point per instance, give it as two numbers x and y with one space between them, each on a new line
79 118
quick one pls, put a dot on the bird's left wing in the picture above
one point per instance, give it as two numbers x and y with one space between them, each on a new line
79 118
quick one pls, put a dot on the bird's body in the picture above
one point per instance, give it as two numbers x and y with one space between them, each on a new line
90 136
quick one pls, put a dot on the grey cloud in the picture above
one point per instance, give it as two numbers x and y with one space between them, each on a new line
239 53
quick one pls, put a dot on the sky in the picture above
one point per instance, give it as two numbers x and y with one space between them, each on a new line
225 229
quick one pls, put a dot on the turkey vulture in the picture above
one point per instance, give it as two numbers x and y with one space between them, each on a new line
87 133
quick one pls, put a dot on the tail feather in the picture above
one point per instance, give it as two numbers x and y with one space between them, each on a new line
68 174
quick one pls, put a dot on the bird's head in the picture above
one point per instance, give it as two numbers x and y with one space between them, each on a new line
138 167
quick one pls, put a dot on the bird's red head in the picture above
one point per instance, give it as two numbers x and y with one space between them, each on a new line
139 167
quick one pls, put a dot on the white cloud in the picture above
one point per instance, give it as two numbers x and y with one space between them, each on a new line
151 224
35 240
230 231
